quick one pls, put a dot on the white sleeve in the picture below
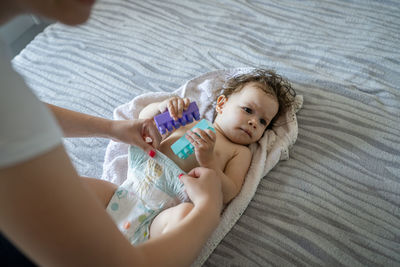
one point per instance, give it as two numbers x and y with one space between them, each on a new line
27 127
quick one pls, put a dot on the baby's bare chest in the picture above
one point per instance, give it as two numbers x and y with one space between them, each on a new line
223 151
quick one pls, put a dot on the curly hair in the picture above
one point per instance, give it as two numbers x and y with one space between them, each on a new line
271 83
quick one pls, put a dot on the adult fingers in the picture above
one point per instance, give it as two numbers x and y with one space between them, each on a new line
154 134
203 185
196 172
146 147
147 129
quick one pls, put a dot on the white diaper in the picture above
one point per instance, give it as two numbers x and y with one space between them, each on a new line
152 186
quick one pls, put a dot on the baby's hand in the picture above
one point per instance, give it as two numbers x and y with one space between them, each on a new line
175 105
203 142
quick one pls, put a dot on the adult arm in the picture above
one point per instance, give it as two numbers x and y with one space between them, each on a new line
76 124
195 228
48 213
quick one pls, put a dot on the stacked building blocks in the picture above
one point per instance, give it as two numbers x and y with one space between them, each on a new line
182 147
164 121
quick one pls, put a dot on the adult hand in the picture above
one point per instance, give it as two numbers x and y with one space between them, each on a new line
203 187
135 132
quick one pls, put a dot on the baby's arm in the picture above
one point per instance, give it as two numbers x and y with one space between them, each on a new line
150 111
235 171
175 105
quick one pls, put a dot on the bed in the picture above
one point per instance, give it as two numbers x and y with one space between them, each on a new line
336 201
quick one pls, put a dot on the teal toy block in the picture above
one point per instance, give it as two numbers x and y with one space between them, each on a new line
182 147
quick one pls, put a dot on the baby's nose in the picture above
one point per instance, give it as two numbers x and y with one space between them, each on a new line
253 123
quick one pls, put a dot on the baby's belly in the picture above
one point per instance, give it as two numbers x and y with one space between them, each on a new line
185 164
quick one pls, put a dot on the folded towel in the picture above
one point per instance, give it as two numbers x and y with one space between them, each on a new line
270 149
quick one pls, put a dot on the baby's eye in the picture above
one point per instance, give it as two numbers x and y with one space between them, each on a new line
263 122
248 110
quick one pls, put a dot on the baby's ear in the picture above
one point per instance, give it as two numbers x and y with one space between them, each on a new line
221 100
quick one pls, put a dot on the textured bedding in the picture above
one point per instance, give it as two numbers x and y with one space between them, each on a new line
336 201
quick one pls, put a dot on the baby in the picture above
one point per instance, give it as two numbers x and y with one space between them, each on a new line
248 105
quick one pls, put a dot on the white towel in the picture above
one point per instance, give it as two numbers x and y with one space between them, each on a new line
271 148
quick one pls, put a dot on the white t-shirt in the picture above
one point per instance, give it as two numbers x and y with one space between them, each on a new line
27 127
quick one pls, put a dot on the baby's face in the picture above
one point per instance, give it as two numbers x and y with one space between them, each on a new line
244 117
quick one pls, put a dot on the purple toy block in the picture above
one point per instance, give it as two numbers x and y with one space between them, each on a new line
164 121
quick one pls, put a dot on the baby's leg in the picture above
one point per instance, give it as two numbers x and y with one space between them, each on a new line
169 218
102 189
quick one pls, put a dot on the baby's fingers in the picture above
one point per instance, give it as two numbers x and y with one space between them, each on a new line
172 108
208 136
186 102
192 137
211 135
180 107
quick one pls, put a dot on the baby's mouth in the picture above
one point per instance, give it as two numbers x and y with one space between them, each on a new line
247 132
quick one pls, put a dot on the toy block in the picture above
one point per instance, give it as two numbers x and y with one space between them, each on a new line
164 121
182 147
